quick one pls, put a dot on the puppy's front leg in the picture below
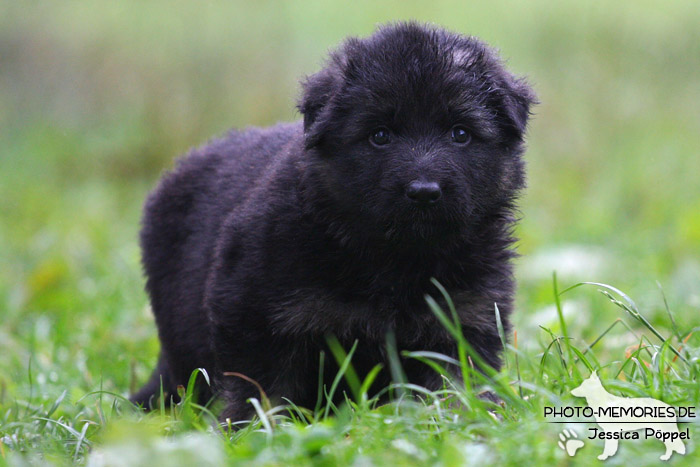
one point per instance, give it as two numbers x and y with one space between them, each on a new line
252 361
487 346
243 366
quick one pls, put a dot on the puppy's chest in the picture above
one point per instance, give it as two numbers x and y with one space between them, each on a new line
318 312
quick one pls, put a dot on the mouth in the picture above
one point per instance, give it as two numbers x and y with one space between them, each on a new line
420 223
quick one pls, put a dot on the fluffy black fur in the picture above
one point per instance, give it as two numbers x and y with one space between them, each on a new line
262 243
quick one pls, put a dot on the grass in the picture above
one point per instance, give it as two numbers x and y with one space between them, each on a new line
95 101
452 426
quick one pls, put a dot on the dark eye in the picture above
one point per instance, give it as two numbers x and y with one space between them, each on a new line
380 136
461 135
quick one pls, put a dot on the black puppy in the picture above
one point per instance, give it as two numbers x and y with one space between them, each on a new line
264 242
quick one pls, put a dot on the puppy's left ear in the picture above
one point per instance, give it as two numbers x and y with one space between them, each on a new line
518 98
317 91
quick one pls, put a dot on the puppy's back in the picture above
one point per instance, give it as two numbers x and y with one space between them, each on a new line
182 217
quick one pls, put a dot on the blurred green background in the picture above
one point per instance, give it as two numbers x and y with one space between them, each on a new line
98 98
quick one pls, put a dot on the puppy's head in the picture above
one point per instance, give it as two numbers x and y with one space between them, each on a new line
416 131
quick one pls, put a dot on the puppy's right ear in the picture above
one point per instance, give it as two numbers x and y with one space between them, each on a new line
318 90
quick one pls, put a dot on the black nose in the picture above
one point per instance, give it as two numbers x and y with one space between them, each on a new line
423 192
